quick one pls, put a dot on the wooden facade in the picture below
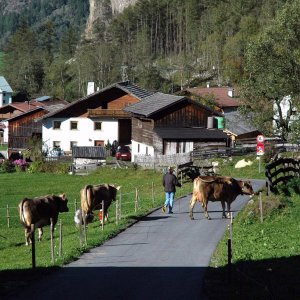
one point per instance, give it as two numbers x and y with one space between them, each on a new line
183 115
22 128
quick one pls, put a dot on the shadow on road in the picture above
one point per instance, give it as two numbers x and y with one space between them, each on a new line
104 283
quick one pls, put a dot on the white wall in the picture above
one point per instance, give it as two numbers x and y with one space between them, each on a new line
140 149
4 100
85 135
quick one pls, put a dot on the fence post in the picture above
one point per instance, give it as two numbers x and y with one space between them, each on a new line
136 200
229 248
32 246
60 238
117 208
120 206
80 227
85 231
152 190
102 217
75 205
52 240
260 208
8 216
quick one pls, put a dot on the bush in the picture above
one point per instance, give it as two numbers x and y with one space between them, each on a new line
21 165
48 167
7 167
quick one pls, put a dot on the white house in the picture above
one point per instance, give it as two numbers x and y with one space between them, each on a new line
5 92
78 131
94 120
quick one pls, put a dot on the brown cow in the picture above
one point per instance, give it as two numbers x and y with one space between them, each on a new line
218 188
92 196
39 211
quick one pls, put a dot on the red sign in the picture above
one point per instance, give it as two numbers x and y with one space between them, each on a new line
260 149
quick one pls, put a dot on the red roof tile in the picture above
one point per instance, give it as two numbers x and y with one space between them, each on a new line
220 94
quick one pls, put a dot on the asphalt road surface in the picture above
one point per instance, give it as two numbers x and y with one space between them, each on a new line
160 257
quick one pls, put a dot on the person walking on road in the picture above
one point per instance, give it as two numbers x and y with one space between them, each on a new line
170 182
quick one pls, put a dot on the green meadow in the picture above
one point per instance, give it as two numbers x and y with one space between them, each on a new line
141 186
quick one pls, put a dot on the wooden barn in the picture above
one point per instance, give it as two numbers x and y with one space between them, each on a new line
168 124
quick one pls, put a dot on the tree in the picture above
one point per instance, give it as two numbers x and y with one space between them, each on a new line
272 65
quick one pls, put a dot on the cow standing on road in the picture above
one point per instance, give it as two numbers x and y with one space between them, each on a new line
92 196
39 211
218 188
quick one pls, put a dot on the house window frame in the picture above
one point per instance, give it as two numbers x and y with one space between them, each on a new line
95 125
73 144
56 122
56 144
73 123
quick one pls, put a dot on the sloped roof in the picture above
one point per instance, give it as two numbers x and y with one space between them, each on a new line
237 124
220 94
191 133
125 86
4 86
153 104
158 102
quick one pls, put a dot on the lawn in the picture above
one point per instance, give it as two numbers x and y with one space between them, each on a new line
144 185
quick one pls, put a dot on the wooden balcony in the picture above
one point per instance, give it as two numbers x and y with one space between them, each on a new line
110 113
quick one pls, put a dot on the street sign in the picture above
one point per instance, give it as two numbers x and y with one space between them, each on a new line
260 149
260 139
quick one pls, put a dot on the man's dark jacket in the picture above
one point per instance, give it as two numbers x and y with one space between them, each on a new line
169 183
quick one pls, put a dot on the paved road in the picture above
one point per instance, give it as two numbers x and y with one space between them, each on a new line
160 257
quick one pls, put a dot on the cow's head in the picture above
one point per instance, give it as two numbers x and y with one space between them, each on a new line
63 203
246 187
113 190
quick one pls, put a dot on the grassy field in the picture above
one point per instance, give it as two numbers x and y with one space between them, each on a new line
265 255
15 186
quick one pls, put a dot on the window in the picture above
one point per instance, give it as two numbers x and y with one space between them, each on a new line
97 125
56 144
56 124
73 144
73 125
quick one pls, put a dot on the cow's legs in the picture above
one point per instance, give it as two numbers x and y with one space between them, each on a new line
223 208
28 236
228 210
204 205
192 204
40 234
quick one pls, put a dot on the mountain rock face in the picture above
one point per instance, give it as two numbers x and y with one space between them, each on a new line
101 11
119 5
8 6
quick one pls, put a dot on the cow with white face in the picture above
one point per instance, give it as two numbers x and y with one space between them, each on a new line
39 211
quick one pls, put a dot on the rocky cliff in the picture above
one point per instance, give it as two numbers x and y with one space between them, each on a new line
101 11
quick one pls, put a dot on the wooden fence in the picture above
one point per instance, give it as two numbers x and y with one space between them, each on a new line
158 161
281 171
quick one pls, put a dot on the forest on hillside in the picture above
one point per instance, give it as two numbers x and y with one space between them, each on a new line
166 45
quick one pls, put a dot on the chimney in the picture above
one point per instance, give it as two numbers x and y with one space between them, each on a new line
90 88
231 92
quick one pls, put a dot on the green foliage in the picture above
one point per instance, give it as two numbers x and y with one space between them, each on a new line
15 186
273 67
7 166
